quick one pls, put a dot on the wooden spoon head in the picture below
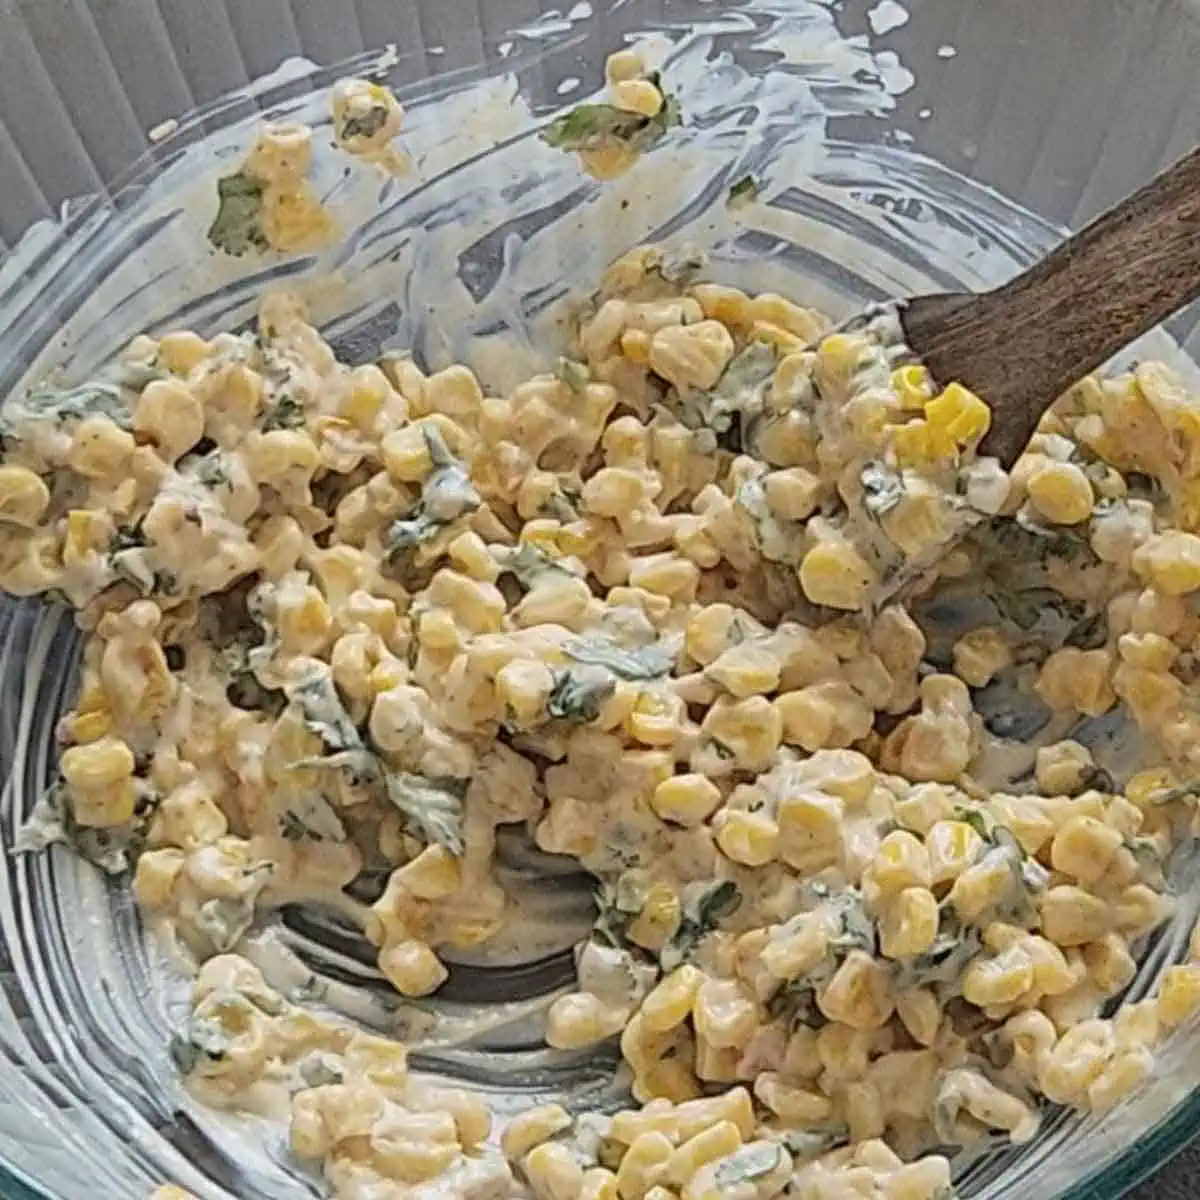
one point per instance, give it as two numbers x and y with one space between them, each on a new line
956 335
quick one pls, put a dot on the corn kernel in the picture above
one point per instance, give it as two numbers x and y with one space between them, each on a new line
959 414
1179 995
669 1002
1061 493
748 838
914 386
835 575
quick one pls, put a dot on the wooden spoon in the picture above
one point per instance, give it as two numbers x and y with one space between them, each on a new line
1022 345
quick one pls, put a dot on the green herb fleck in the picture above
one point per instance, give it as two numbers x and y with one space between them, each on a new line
201 1040
596 126
806 1144
954 947
741 390
644 663
700 917
237 226
285 413
617 907
743 192
366 126
573 373
751 1162
882 487
977 820
433 808
579 693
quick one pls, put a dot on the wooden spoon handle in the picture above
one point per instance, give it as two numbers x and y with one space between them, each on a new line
1024 344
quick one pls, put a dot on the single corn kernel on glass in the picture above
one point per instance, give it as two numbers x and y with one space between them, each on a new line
412 968
637 96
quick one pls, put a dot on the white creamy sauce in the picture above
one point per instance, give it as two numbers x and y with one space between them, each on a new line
469 291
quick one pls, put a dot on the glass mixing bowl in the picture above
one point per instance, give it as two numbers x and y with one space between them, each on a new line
879 133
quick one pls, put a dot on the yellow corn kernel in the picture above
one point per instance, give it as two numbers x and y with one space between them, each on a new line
918 444
181 351
914 386
838 356
90 726
405 454
725 304
24 497
598 1184
794 1106
733 1105
433 875
1061 493
637 96
687 800
691 356
920 1014
781 340
635 345
792 493
900 862
748 838
713 1143
367 392
658 920
908 924
100 764
107 806
1170 562
669 1002
746 670
644 1165
979 655
835 575
169 1191
553 1172
981 886
959 414
1084 847
668 1079
155 877
581 1019
412 968
724 1015
622 65
952 847
999 980
1178 995
1074 917
860 993
530 1129
777 310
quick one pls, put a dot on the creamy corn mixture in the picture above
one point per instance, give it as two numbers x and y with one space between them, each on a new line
725 606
